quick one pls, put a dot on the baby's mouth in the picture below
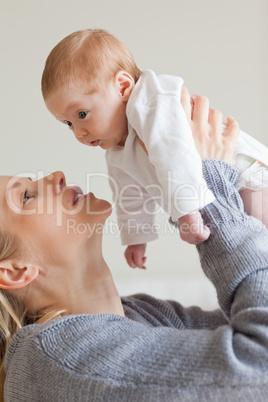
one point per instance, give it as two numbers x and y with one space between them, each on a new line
94 143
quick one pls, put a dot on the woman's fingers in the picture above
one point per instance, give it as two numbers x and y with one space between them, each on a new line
232 131
229 139
200 110
186 103
215 122
207 127
232 127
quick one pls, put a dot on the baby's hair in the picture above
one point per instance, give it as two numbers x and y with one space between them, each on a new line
92 56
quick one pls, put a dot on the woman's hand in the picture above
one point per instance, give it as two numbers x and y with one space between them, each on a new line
206 125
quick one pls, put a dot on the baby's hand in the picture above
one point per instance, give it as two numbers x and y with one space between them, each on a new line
135 255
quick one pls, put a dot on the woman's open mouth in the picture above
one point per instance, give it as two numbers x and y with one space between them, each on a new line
77 193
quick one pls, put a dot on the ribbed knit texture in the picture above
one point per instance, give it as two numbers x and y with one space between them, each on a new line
162 351
227 221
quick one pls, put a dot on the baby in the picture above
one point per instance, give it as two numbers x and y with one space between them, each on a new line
92 84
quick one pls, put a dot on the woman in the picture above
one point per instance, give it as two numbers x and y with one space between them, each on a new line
90 345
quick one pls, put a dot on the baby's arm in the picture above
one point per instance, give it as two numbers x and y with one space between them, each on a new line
135 225
206 124
157 116
191 230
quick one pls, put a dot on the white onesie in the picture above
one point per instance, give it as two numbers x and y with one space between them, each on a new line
170 176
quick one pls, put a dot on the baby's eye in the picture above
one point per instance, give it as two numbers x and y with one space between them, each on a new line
26 196
82 114
68 123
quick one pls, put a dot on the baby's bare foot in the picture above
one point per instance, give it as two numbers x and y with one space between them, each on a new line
192 229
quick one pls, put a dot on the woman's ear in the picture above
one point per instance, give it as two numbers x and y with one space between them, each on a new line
15 274
125 83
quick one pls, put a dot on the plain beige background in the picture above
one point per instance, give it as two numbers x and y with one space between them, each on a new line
218 47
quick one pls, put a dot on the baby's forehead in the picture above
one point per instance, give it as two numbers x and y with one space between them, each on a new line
66 95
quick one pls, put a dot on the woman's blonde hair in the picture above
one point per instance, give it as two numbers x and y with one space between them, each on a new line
92 56
13 315
11 312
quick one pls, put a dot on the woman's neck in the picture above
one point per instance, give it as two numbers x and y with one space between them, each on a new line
87 291
99 296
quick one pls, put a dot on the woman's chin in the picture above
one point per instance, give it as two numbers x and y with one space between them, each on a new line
93 206
101 207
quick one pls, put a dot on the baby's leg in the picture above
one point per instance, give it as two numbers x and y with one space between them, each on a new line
192 229
256 203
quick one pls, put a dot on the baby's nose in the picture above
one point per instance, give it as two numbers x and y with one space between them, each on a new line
80 132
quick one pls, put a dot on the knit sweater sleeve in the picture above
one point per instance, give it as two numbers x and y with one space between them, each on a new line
91 358
237 247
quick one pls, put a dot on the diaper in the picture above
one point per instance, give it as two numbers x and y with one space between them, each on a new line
253 174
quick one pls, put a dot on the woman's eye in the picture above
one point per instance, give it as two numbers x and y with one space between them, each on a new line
26 196
82 115
69 123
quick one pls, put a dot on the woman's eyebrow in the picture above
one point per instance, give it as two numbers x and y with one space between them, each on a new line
18 183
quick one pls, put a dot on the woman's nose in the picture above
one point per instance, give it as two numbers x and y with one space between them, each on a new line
57 179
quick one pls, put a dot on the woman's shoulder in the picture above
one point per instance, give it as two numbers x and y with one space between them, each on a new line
47 337
68 337
62 349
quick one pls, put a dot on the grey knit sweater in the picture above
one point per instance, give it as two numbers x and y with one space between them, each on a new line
162 351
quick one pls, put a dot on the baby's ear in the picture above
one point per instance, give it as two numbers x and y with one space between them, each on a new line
125 83
15 274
